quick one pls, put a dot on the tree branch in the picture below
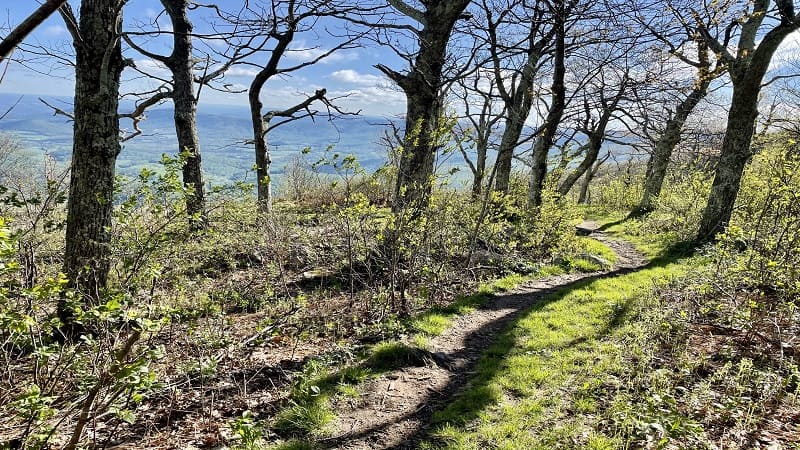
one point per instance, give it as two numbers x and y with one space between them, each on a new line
408 11
22 30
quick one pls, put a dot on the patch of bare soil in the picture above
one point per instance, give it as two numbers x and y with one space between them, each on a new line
395 409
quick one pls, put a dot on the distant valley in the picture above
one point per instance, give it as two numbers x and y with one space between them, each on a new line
223 132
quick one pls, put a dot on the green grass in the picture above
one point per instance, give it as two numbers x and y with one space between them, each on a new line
393 355
538 386
436 321
294 445
308 412
618 225
597 248
306 418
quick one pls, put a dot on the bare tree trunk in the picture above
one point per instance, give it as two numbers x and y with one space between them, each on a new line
592 152
181 63
415 173
422 87
519 99
735 154
513 130
587 179
659 161
547 138
263 160
747 69
583 197
482 148
98 67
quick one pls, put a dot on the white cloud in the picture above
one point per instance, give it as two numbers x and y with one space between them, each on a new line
152 67
374 95
55 30
788 53
241 72
303 52
352 77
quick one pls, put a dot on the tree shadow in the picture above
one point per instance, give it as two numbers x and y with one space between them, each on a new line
485 362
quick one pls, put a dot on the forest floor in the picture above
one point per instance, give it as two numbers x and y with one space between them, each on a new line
395 409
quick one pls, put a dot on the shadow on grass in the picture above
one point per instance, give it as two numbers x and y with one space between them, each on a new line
455 405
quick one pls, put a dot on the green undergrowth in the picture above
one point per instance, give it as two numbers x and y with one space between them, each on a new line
653 245
308 412
596 248
540 385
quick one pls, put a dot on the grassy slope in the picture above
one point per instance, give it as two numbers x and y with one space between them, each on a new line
309 413
541 383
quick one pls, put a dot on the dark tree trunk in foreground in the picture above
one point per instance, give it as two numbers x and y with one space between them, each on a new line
98 67
181 64
732 161
547 137
747 70
422 86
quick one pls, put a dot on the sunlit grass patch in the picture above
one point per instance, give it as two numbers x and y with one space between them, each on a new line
597 248
388 356
294 445
437 320
540 384
307 417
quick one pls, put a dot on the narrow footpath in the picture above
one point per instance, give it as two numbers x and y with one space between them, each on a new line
395 409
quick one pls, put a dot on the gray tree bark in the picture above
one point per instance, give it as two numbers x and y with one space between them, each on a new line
181 64
96 144
592 152
546 139
518 106
596 135
658 163
747 69
583 197
260 123
422 86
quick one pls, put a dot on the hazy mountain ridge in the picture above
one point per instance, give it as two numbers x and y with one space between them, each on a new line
223 130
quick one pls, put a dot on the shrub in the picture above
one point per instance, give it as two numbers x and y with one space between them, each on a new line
761 249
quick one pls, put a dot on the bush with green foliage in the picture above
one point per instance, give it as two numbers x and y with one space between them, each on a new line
761 249
54 391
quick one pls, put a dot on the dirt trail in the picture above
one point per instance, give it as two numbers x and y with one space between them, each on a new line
394 409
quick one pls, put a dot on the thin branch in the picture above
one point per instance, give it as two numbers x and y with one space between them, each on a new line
58 111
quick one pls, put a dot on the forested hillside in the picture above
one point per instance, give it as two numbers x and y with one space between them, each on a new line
582 232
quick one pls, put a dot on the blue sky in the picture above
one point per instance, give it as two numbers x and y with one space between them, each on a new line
349 72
